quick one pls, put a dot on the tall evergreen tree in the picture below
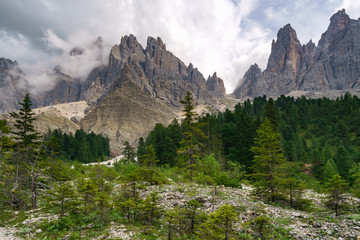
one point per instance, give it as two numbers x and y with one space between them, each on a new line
269 162
343 161
128 152
25 132
189 145
28 150
330 169
336 188
141 149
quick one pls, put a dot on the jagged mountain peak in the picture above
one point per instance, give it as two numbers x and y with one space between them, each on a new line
310 44
153 44
285 51
332 65
339 20
215 85
6 64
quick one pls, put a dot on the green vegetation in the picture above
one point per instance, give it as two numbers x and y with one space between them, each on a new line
280 147
81 147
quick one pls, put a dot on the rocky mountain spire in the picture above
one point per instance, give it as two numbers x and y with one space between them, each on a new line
216 85
340 24
333 65
286 52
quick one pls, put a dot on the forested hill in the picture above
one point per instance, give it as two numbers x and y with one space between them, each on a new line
322 135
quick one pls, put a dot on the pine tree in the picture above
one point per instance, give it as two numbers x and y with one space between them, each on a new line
330 169
189 145
269 162
53 147
343 161
219 225
128 152
25 132
87 190
63 197
336 187
28 150
149 160
141 149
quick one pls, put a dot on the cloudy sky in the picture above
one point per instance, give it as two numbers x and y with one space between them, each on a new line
223 36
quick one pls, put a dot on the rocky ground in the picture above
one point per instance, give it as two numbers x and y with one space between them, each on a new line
318 224
7 233
301 225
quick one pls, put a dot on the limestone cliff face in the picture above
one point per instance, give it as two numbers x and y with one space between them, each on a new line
66 90
283 69
12 85
215 85
154 69
337 59
333 65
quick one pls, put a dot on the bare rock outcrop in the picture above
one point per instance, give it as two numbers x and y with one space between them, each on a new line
215 85
12 85
333 65
154 69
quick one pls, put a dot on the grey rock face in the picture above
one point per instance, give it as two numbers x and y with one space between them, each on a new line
333 65
215 85
155 70
67 90
12 85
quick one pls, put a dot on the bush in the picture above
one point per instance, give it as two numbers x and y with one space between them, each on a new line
224 179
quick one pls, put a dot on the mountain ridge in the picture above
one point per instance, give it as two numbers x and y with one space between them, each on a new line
332 65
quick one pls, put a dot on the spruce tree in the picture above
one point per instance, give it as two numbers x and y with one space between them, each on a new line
343 161
128 152
149 160
219 225
25 132
189 145
269 162
28 151
336 188
141 149
330 169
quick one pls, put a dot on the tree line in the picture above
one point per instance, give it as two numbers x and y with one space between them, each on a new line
81 146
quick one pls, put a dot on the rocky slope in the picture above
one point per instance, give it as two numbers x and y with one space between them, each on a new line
285 222
126 114
332 65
